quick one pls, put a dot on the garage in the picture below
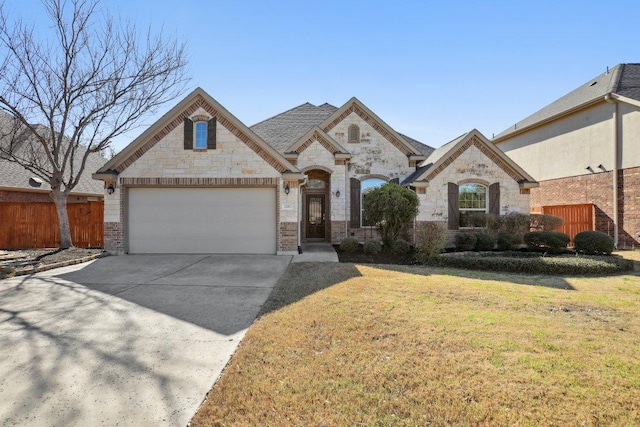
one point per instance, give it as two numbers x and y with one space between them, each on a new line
201 220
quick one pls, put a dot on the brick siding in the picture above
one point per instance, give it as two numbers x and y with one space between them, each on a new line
597 189
288 240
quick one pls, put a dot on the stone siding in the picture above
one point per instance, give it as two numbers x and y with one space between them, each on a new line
471 166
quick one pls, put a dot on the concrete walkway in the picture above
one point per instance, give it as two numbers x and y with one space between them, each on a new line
316 252
126 340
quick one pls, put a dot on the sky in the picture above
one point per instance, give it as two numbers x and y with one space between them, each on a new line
431 70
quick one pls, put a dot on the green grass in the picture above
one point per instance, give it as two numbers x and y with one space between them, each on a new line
344 344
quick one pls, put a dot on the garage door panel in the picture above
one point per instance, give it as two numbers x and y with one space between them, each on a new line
202 220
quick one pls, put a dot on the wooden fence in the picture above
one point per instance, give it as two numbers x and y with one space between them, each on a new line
576 218
35 225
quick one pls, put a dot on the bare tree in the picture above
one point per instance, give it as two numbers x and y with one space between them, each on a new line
85 79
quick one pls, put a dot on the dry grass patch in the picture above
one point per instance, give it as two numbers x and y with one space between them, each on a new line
344 344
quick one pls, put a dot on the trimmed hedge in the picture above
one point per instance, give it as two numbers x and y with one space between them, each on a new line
551 241
372 247
537 264
593 242
484 242
465 241
349 245
508 241
400 247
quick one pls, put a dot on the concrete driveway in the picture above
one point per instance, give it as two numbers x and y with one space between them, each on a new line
134 340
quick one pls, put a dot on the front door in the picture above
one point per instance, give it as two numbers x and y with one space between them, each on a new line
315 216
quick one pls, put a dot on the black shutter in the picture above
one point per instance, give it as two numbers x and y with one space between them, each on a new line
454 206
211 134
494 198
355 203
188 134
395 181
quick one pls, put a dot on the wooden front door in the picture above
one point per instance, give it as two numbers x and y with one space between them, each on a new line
315 218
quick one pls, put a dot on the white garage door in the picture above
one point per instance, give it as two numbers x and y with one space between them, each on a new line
202 220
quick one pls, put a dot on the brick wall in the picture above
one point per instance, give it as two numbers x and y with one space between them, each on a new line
113 237
597 189
288 241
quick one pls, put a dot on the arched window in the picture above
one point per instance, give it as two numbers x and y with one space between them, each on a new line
354 134
201 136
366 186
472 200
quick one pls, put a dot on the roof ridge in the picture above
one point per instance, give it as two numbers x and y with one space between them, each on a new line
615 81
282 113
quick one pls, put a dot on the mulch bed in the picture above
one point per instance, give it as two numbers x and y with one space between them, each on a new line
381 258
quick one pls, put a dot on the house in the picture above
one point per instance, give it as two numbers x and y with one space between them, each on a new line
584 149
201 181
29 218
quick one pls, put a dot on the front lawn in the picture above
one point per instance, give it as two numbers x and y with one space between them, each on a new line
345 344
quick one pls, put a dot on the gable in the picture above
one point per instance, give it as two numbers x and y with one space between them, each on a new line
444 156
198 99
355 107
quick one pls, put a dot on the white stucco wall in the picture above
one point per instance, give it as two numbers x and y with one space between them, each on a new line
630 133
471 166
566 146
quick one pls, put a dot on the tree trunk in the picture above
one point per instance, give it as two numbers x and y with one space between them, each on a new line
60 199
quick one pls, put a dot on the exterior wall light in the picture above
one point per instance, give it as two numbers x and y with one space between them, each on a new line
111 189
286 188
337 193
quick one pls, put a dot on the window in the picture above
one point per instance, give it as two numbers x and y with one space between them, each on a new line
354 134
201 136
473 199
366 186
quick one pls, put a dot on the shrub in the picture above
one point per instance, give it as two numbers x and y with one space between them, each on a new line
544 222
465 241
401 247
593 242
349 245
508 241
484 242
431 239
537 264
514 223
551 241
390 207
372 247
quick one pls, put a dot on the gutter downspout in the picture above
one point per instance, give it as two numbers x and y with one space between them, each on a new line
616 135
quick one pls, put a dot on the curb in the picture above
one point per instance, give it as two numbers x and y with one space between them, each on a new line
8 272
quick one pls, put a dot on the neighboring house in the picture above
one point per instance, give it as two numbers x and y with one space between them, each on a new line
584 149
28 214
200 181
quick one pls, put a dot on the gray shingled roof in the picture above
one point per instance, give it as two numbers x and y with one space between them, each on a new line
435 155
15 176
623 79
283 130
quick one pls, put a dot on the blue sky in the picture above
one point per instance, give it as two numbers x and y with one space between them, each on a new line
432 70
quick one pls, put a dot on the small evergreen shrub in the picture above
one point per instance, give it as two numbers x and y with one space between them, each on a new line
484 242
465 241
508 241
431 239
514 223
548 241
400 247
349 245
593 242
372 247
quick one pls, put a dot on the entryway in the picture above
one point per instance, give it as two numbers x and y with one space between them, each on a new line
316 206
